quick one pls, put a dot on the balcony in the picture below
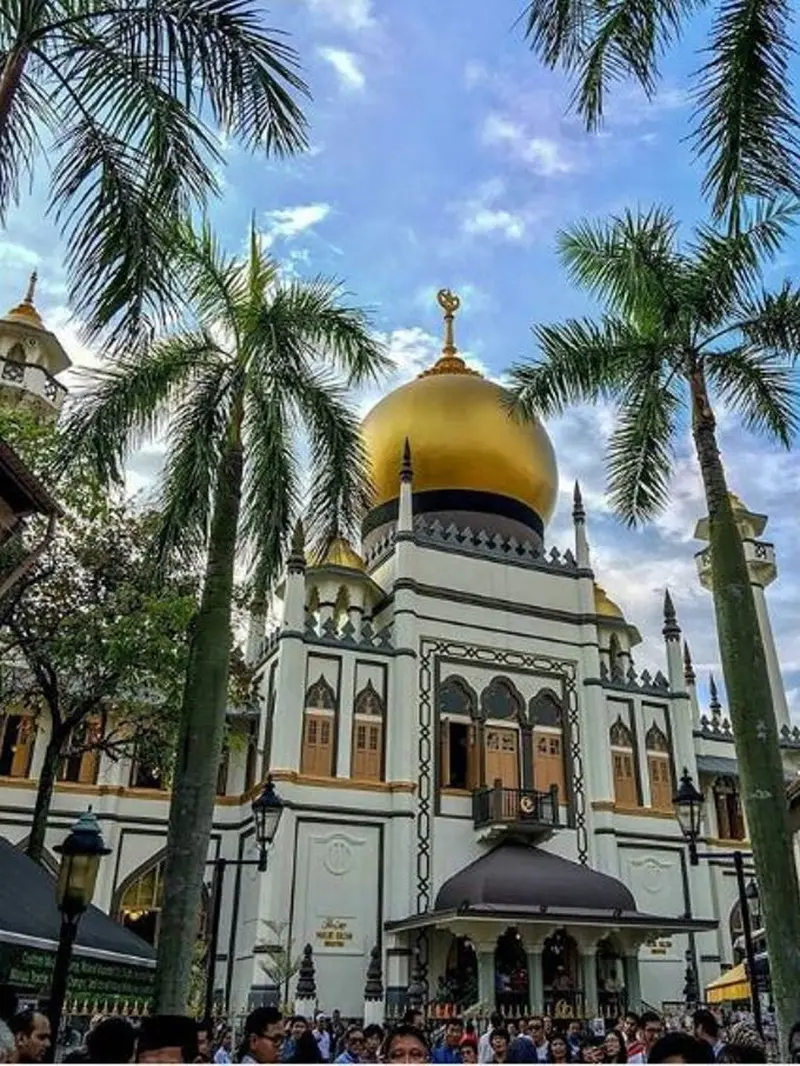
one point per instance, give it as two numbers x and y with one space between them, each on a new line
497 810
33 382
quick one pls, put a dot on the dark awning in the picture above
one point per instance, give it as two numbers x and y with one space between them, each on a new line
29 915
517 882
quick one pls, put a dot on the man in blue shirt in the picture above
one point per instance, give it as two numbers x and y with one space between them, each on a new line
297 1026
450 1050
353 1045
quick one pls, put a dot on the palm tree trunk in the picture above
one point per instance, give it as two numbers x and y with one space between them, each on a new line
44 797
200 740
10 78
755 730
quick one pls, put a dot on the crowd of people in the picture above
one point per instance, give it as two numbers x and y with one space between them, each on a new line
267 1036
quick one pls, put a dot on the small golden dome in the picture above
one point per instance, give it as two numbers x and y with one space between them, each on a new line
341 553
462 436
604 605
25 312
736 503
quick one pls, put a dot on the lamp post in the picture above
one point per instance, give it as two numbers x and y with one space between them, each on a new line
689 812
80 859
267 809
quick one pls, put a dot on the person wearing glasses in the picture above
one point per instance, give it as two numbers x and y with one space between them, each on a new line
263 1035
353 1045
405 1043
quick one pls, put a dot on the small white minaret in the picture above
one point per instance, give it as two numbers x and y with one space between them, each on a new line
672 638
761 567
691 684
680 697
579 522
405 507
30 359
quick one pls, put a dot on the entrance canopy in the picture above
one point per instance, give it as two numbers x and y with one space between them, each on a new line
518 883
729 986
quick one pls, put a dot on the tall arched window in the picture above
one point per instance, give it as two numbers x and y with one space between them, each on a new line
458 749
659 768
367 760
548 744
730 823
626 794
17 734
501 702
319 721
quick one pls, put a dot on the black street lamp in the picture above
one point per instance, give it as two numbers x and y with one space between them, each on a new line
689 812
77 875
267 809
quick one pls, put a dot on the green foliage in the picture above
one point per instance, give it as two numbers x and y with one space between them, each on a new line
127 103
746 125
277 956
673 315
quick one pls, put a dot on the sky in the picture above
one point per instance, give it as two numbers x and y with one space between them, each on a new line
444 155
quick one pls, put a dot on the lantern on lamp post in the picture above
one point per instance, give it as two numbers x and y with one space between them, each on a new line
688 802
80 853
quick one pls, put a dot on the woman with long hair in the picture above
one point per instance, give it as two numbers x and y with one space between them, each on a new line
559 1049
614 1048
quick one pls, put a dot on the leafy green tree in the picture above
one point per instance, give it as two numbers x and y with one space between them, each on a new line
250 394
684 328
746 124
124 101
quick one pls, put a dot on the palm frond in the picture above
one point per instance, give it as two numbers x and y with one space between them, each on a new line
327 330
772 321
629 262
213 280
19 139
218 52
198 427
761 387
272 485
582 362
123 405
641 447
747 122
726 266
604 43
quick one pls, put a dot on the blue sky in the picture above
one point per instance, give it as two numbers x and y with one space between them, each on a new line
443 155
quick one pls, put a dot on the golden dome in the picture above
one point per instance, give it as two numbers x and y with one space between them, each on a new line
25 312
341 553
604 605
462 436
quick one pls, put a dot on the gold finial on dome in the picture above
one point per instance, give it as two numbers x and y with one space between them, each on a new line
450 361
25 312
31 288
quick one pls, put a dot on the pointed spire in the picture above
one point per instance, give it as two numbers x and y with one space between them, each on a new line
578 513
713 704
29 295
306 978
406 470
688 668
671 628
373 989
297 555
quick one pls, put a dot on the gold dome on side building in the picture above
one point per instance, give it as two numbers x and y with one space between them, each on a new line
468 453
604 605
25 313
340 553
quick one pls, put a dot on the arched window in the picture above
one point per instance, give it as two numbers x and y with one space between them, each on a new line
140 899
367 759
659 768
16 354
730 823
623 764
319 720
548 744
17 735
458 749
501 700
341 606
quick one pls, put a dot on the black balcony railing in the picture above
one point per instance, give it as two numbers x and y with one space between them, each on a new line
518 807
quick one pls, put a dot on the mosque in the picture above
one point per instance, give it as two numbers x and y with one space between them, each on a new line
477 774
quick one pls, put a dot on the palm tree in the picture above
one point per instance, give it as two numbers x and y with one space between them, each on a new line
746 126
684 328
252 397
116 97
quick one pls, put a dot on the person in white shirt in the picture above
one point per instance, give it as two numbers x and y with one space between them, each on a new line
322 1036
485 1053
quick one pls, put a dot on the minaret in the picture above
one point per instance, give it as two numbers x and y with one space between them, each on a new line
672 638
405 512
761 566
691 684
289 685
579 522
680 697
30 358
713 699
294 600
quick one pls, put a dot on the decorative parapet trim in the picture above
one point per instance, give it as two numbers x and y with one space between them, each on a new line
381 549
329 632
714 728
491 545
630 681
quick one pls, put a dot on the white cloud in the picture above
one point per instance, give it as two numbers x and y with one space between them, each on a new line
353 15
484 214
286 223
488 220
346 66
544 155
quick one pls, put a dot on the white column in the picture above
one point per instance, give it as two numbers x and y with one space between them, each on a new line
347 666
589 981
771 654
680 704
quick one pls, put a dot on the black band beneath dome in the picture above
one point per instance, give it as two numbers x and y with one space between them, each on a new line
437 500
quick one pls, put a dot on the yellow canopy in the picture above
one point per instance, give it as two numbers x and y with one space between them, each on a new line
729 986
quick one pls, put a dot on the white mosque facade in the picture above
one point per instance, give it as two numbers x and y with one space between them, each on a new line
477 774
